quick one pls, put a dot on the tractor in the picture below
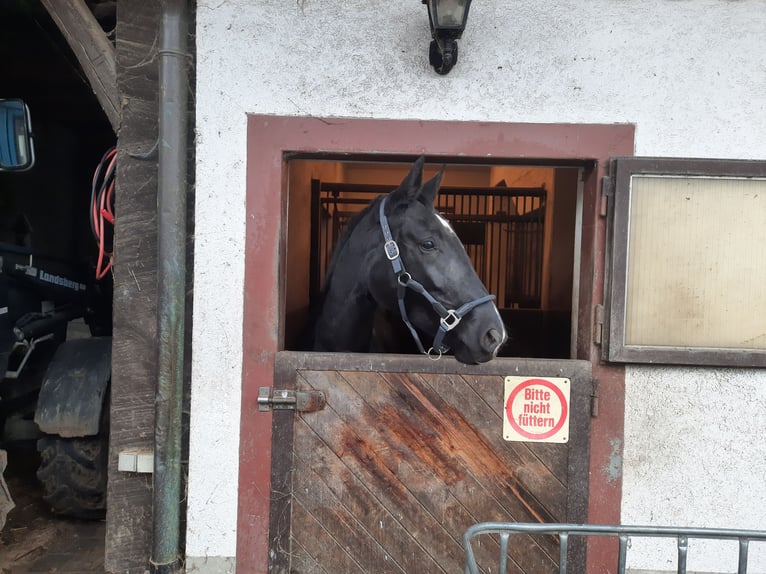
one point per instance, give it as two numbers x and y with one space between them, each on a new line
55 341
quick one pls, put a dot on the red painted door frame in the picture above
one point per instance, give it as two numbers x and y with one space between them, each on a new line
270 138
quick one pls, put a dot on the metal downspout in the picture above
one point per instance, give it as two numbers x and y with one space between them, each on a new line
171 207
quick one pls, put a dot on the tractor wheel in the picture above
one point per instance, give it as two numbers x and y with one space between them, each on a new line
73 474
6 502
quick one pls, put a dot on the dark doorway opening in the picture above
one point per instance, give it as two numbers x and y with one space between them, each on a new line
45 223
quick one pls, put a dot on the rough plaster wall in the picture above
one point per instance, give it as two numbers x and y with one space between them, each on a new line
690 74
694 456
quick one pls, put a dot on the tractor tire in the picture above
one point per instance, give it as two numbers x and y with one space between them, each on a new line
6 502
73 473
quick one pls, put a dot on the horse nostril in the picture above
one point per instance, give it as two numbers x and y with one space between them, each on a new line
492 340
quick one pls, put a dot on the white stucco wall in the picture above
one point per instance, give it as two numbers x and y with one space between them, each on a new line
691 75
693 457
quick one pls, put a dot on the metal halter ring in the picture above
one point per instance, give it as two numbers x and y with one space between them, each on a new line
432 354
404 278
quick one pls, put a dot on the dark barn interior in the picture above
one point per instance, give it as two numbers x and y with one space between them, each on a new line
45 212
88 72
47 207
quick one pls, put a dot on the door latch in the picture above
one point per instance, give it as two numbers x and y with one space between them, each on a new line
301 401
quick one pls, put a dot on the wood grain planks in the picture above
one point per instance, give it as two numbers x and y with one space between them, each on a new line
388 477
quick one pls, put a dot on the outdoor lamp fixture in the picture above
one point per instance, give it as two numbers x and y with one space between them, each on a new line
448 18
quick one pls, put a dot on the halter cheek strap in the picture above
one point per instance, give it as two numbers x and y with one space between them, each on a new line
449 318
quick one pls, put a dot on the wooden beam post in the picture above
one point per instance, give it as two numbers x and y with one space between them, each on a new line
134 341
93 50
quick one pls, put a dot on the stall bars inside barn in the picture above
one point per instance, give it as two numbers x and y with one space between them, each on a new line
502 228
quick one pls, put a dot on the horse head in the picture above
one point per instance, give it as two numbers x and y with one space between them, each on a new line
421 272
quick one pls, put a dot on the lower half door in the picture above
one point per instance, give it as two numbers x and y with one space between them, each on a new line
406 454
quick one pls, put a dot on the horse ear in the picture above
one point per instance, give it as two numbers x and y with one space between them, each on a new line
431 188
410 186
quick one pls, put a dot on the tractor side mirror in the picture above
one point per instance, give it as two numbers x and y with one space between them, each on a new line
17 152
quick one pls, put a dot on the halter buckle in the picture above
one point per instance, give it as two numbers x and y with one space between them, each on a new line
450 321
391 249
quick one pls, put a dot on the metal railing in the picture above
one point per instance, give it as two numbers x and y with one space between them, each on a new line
682 535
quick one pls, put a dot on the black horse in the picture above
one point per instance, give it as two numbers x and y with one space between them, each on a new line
399 257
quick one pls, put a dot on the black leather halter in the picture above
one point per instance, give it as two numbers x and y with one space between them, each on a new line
449 318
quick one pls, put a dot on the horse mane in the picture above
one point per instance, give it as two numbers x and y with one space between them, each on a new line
306 342
341 245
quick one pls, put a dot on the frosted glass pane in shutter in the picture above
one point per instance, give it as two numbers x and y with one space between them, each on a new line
696 262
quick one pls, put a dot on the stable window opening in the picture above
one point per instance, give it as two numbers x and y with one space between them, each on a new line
518 223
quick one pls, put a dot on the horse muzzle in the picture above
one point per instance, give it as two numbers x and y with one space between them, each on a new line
479 339
493 340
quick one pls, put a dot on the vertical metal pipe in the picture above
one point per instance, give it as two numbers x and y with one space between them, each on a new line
742 562
504 553
563 547
622 554
683 547
171 207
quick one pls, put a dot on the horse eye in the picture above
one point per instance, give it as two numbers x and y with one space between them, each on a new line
428 245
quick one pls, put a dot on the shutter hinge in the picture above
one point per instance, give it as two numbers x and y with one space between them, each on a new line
594 400
606 192
598 324
301 401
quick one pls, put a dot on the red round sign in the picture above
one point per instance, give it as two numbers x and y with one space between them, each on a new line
522 431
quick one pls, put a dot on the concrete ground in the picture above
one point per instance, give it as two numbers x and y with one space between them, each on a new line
35 541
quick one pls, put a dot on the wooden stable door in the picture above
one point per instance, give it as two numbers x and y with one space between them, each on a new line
405 455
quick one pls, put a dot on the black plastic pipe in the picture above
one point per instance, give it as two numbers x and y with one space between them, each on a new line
171 207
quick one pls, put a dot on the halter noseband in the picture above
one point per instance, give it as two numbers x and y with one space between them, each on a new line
449 318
